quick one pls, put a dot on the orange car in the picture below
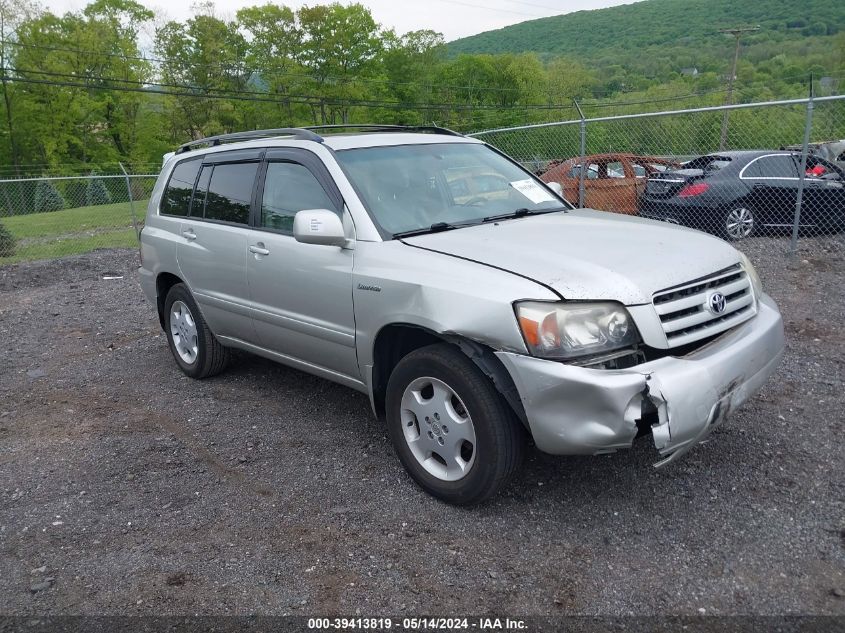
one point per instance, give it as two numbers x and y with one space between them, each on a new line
612 182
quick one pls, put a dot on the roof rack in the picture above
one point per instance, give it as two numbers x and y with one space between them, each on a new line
376 127
295 132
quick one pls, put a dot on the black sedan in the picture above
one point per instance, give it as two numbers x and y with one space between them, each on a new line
738 194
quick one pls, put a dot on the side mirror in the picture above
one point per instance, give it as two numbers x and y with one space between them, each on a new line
318 226
555 186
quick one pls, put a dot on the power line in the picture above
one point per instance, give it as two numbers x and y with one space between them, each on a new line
311 99
191 91
262 72
269 73
613 104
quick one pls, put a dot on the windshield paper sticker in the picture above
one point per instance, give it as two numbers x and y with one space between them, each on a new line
531 190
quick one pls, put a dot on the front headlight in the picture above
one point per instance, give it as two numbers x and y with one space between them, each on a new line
756 284
568 330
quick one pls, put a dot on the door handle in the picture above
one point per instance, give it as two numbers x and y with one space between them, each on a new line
258 249
189 234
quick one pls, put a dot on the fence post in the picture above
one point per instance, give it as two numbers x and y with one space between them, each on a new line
131 203
793 247
583 154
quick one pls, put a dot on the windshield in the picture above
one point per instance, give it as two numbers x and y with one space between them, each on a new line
413 187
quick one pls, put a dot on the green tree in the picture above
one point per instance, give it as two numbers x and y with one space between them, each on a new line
205 53
47 197
96 191
97 49
342 47
273 54
111 32
12 14
410 64
568 80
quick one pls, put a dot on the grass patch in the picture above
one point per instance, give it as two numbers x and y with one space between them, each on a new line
77 245
79 220
72 231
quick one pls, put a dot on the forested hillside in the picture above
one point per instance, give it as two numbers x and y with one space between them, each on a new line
631 47
86 89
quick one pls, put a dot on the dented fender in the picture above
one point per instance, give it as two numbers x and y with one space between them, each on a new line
440 293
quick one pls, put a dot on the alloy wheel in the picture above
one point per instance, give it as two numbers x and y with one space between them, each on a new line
183 330
739 223
438 429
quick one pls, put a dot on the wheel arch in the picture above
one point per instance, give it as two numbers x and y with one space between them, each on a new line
396 340
164 282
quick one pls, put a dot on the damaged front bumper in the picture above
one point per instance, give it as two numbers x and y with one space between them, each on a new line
576 410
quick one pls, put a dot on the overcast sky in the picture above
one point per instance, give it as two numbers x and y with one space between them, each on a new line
453 18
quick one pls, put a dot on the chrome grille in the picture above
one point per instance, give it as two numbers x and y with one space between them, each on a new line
685 314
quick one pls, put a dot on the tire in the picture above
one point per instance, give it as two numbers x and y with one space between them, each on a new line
436 456
738 223
197 352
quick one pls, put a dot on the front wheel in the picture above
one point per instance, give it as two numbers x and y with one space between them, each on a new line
739 223
452 430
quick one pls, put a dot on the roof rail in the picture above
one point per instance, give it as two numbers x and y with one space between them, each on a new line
250 135
377 127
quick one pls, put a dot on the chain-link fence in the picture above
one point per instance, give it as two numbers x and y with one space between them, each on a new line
767 169
42 218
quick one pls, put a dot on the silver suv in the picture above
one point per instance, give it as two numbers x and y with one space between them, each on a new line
472 304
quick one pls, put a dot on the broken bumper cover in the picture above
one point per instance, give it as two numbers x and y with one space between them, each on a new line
580 411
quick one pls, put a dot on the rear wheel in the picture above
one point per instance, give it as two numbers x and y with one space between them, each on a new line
739 223
452 430
194 347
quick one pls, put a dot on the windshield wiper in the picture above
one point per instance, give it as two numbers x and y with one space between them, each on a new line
521 213
437 227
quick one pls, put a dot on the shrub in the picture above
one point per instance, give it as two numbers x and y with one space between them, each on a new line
76 192
96 192
47 197
7 242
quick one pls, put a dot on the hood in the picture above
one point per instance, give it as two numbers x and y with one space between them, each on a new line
589 255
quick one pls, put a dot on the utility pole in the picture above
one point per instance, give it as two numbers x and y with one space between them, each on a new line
737 33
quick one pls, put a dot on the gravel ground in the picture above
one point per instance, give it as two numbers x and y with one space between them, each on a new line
130 489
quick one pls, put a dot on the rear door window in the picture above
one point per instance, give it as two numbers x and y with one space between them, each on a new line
198 202
177 196
230 192
777 166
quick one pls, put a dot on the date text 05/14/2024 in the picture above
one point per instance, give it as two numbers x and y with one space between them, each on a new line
419 624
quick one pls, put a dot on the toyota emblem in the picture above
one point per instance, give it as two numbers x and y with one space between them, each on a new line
717 303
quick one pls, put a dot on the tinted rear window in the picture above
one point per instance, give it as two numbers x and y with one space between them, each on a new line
778 166
198 204
177 196
230 192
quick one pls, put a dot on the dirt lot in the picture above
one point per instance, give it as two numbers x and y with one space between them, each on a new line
128 488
